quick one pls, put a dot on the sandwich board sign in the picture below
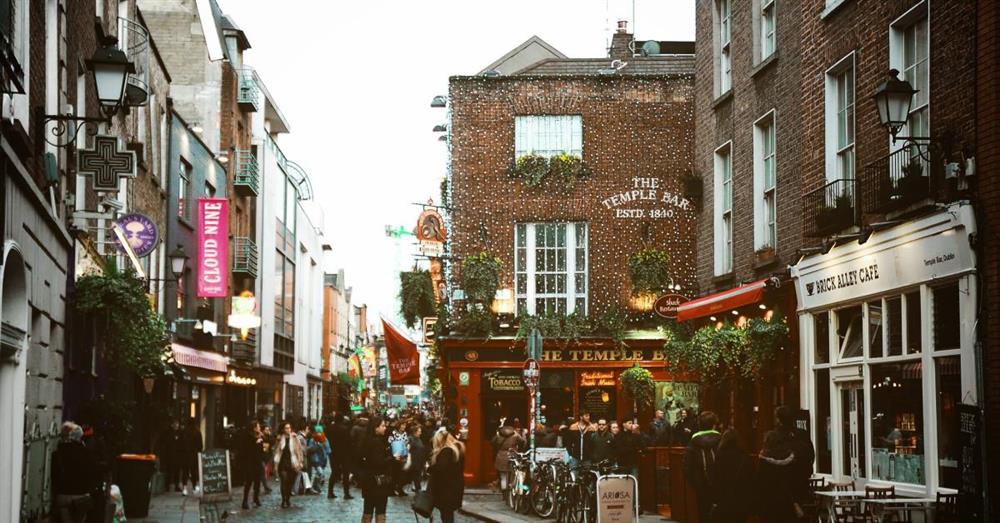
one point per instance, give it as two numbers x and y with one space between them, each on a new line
617 501
214 470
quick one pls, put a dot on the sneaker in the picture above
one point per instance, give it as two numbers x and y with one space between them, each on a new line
185 491
197 490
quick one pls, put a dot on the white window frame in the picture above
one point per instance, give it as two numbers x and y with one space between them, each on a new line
548 135
722 36
765 25
898 29
530 271
836 167
928 357
723 223
17 107
765 222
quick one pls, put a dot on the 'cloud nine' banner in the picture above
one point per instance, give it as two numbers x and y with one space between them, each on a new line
213 247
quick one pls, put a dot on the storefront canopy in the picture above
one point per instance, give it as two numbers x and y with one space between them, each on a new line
722 301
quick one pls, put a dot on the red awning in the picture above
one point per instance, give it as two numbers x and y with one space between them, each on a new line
722 301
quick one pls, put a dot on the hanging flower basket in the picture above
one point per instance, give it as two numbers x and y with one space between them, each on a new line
649 270
638 384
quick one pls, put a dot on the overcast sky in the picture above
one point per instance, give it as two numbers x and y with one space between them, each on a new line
355 79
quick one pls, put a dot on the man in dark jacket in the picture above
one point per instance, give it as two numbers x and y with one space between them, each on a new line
660 430
250 453
74 475
341 454
699 463
602 443
544 437
169 446
191 445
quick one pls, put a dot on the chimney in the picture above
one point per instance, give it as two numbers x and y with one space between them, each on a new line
621 43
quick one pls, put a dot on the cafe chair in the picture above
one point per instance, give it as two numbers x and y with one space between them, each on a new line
883 493
946 508
817 483
844 510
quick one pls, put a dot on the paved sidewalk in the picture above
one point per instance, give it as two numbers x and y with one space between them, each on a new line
486 505
172 507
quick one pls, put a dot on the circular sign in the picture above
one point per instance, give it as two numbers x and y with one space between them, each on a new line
140 233
463 378
666 305
471 355
531 374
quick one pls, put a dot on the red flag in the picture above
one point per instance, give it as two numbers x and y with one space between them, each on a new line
404 361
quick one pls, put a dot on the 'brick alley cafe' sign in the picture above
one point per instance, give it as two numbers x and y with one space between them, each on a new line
645 199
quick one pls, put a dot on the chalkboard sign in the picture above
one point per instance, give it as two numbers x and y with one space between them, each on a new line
970 500
213 466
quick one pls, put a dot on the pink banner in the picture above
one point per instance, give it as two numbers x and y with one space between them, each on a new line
213 247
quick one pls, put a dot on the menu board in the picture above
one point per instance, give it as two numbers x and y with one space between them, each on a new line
213 466
970 500
617 500
599 402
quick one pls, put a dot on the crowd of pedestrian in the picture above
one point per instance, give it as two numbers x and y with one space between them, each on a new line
716 465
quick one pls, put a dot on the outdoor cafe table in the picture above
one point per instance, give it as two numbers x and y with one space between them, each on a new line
830 500
881 508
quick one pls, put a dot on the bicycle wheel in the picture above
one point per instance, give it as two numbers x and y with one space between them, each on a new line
543 501
509 493
523 505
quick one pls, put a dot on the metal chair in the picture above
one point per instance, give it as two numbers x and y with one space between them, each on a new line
946 508
883 493
817 483
844 510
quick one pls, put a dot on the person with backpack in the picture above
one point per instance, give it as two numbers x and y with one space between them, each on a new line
786 463
700 463
733 472
506 441
318 453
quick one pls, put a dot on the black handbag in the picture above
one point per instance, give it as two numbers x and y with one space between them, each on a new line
423 504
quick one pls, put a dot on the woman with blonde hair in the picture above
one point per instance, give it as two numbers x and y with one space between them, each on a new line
289 458
446 482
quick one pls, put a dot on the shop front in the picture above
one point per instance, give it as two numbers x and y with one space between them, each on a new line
200 399
485 387
887 331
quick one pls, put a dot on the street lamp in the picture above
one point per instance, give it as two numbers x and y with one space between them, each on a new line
111 68
178 259
893 99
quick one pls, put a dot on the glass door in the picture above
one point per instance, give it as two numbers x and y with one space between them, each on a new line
852 441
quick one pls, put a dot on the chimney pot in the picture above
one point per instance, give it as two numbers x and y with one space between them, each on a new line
623 26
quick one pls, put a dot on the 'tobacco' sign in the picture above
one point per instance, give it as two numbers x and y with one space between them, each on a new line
213 247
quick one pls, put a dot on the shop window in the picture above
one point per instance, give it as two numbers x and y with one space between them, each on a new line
913 322
821 326
894 321
824 440
949 395
849 332
946 320
897 422
875 329
548 135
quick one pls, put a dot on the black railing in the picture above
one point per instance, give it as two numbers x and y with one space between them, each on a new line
245 351
830 209
907 178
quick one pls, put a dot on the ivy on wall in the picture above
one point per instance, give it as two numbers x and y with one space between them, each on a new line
726 351
562 170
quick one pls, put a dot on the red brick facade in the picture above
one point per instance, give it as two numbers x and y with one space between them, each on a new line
632 127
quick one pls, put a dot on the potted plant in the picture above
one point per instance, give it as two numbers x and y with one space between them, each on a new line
765 253
835 217
912 185
638 384
416 296
533 168
649 270
481 277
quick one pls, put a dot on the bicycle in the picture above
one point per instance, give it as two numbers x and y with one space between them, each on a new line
583 496
519 482
543 488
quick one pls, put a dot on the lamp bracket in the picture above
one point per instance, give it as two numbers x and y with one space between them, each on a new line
66 128
923 144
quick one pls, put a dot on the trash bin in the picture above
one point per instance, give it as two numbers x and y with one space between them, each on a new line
133 475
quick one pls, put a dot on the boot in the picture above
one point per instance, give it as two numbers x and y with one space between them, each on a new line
367 518
379 518
347 491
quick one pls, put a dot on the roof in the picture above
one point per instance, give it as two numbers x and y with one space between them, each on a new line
530 51
637 66
230 27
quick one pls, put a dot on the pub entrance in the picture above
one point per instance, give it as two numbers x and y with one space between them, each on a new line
503 399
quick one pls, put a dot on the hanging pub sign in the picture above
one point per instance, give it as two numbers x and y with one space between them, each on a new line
213 247
644 198
666 305
106 164
140 232
244 312
431 233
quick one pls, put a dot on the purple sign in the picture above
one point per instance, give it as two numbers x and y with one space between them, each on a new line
140 233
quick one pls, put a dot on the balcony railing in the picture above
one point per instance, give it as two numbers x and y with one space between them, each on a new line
905 180
133 39
246 182
245 256
830 209
245 351
248 94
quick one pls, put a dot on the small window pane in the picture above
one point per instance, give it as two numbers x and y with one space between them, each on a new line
894 314
947 321
897 422
849 332
522 259
522 235
522 283
824 438
913 322
949 388
821 324
875 329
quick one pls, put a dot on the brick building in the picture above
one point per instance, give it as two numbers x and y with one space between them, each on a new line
871 232
564 247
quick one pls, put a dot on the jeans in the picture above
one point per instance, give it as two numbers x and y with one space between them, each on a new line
339 471
376 504
252 478
189 470
72 508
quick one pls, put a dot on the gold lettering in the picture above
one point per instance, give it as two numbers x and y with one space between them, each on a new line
574 355
659 355
600 355
588 355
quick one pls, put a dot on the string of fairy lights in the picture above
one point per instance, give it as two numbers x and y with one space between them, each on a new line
633 127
